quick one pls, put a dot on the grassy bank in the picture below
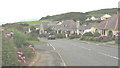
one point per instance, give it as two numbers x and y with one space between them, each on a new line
18 42
11 45
36 42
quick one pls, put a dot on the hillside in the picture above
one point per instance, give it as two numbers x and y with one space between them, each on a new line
104 11
65 16
79 15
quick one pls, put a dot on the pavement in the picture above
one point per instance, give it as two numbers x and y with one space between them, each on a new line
61 52
46 56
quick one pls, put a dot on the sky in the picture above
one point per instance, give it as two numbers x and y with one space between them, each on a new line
22 10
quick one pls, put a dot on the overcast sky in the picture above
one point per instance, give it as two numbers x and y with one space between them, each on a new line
20 10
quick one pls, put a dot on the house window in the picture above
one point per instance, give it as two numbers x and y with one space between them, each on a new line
103 31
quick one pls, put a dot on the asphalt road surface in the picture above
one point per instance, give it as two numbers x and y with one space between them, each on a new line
79 53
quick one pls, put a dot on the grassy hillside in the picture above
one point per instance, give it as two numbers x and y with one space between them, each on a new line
66 16
34 22
80 16
104 11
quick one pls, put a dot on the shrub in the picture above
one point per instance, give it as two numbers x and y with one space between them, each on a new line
32 36
27 52
96 34
95 38
60 36
9 56
103 39
72 37
91 38
88 34
19 38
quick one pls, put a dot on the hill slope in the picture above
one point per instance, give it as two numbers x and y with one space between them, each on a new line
79 15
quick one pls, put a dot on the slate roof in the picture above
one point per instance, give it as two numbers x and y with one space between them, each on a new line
68 25
88 25
111 23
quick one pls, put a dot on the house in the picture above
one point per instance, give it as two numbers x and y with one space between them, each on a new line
46 27
88 27
68 27
106 16
88 19
108 27
93 18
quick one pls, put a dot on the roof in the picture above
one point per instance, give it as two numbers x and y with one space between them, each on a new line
111 23
88 25
67 25
106 16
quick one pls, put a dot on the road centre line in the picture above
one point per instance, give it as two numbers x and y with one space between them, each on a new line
85 48
102 53
108 55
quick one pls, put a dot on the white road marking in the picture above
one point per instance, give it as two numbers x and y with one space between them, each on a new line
108 55
64 64
97 44
52 47
83 47
86 48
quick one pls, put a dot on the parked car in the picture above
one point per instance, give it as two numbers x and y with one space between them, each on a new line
51 37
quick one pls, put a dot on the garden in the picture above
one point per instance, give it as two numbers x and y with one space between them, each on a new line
96 37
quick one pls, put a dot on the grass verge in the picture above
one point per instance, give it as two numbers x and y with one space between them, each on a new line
115 44
36 42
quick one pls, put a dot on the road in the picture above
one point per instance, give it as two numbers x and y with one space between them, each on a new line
79 53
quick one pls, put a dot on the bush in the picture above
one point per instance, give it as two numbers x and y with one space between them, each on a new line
82 38
11 45
97 34
88 34
27 52
95 38
103 39
60 36
32 36
19 38
9 56
89 38
74 36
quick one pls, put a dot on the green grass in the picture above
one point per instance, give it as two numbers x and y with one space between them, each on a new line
115 44
36 42
35 22
95 15
2 27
